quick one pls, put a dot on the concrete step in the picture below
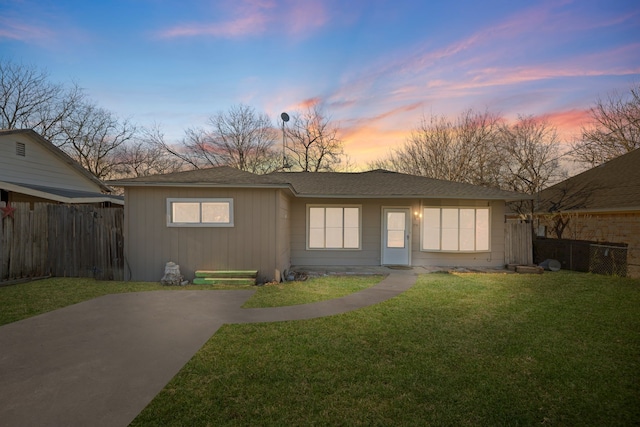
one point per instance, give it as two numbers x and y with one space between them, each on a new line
224 281
227 273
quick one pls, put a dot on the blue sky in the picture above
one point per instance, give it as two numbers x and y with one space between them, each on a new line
376 66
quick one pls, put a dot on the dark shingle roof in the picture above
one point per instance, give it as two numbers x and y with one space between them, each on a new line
378 184
220 176
612 186
382 183
61 194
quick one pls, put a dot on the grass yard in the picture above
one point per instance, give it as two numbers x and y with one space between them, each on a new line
460 350
312 290
32 298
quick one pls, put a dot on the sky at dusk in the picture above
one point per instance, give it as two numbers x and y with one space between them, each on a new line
377 67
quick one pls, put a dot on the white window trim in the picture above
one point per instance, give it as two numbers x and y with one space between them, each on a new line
170 222
307 230
454 251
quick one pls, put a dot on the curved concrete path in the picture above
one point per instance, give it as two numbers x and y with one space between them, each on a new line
100 362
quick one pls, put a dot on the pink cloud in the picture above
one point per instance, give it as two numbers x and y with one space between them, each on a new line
247 25
569 123
252 17
309 103
305 16
15 30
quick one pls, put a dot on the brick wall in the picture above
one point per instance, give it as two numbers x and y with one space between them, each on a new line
614 228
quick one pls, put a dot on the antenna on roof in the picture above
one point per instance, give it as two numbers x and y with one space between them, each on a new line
285 164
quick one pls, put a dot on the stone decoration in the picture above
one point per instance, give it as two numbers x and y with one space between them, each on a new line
172 276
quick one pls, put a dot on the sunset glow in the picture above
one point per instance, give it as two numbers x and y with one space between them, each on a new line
375 67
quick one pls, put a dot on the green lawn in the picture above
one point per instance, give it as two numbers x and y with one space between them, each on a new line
29 299
456 349
459 350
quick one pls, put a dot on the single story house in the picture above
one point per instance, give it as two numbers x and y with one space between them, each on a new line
223 218
601 204
32 169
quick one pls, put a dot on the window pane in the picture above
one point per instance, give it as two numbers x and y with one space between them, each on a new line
467 229
395 239
334 217
186 212
316 238
395 220
215 212
467 238
449 229
431 229
351 238
334 238
449 239
316 227
482 229
395 229
450 218
351 228
316 217
467 218
351 217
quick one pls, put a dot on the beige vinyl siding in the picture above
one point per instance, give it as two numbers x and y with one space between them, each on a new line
370 252
283 235
39 166
250 244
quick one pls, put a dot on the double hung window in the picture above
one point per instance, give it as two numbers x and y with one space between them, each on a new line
333 227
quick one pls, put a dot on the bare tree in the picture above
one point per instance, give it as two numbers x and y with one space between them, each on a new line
146 155
239 137
530 152
313 142
482 149
614 129
462 150
94 137
28 100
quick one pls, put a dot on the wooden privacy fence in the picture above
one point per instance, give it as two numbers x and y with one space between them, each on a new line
62 241
518 243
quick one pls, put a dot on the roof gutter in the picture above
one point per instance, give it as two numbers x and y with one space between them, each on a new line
57 198
632 209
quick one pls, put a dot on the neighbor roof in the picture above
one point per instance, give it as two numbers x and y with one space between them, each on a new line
379 183
61 195
613 186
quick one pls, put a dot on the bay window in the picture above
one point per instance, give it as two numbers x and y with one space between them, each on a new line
455 229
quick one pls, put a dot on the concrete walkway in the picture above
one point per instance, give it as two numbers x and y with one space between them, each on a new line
100 362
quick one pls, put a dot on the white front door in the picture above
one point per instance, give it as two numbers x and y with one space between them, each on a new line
396 225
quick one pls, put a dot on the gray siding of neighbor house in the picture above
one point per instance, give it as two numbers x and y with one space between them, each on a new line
253 243
38 166
371 244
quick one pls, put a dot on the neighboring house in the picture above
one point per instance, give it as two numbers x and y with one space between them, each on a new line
224 218
600 205
32 169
